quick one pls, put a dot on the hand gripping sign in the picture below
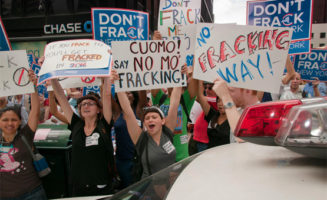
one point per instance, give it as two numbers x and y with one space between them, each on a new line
75 58
244 56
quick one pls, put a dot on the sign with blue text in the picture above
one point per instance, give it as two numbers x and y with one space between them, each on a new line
4 42
177 20
151 64
295 14
250 57
14 73
73 82
312 65
111 24
75 58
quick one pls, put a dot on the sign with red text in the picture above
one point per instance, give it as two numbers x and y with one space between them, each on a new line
75 58
248 57
151 64
14 73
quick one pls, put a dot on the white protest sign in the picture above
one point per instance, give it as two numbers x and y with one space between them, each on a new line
151 64
70 57
14 73
177 20
73 82
244 56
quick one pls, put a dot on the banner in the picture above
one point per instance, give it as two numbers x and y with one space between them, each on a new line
177 20
111 24
75 58
74 82
14 73
4 42
249 57
152 64
313 65
285 13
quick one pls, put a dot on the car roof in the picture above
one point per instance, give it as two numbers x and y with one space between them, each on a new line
250 171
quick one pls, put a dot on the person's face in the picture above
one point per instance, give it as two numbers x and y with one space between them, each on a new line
220 106
237 96
9 122
153 123
296 81
209 91
130 97
89 108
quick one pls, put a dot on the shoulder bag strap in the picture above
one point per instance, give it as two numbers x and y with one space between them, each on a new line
28 146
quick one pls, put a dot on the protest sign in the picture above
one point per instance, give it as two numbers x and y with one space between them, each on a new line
177 19
111 24
249 57
14 73
313 65
152 64
75 58
4 42
74 82
285 13
94 89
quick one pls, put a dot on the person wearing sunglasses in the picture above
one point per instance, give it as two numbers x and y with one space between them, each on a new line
92 150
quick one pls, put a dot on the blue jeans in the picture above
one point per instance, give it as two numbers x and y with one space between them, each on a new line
125 168
201 146
36 194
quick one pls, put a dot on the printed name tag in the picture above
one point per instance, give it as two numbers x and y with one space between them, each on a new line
92 140
184 139
168 147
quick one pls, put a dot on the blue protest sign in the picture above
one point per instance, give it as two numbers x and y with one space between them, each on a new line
119 24
4 42
312 65
284 13
95 89
36 68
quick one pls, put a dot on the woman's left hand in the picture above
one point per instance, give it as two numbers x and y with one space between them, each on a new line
32 76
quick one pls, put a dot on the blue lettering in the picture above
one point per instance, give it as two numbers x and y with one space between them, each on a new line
248 73
256 65
228 74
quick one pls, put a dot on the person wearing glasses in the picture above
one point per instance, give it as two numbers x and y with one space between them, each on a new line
92 150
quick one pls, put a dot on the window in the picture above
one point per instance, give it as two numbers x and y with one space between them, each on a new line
323 35
312 34
322 44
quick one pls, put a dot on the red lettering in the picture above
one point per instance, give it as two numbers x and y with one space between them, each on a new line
211 57
238 41
251 40
131 48
188 16
202 62
225 51
281 44
269 39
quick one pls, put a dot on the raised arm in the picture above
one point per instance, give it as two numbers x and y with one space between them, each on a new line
171 119
54 110
202 99
106 99
61 97
33 117
132 125
221 89
141 103
290 71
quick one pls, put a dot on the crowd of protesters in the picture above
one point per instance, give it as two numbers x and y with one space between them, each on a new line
163 126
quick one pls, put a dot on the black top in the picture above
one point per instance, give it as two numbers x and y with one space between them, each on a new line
90 155
220 134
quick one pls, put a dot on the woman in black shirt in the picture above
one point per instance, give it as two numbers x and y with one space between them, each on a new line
218 127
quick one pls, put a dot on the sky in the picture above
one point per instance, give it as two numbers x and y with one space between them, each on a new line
230 11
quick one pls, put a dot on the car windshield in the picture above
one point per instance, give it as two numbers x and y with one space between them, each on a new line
154 187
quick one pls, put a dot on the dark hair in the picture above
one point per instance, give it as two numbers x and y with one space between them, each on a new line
135 102
91 97
153 109
15 109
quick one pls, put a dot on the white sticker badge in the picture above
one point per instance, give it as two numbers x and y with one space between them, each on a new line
92 140
168 147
